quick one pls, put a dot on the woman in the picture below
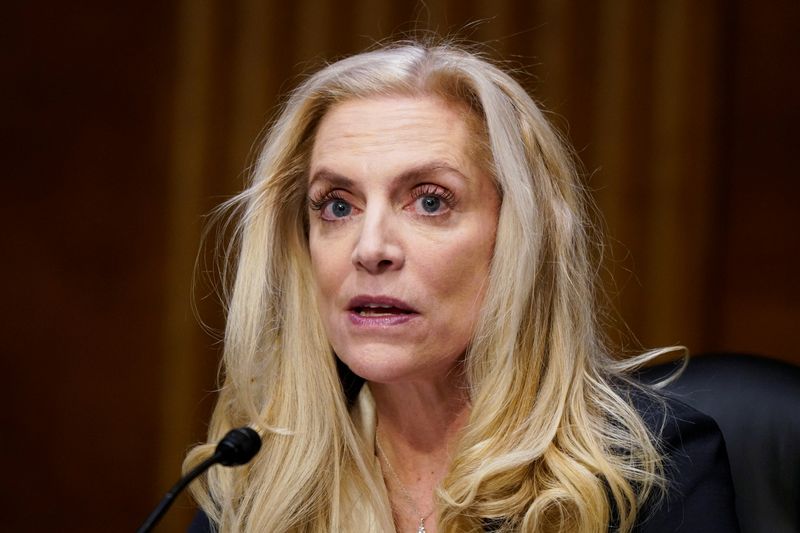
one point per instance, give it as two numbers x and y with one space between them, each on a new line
412 325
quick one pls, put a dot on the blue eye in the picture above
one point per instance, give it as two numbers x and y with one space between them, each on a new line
336 209
432 200
332 205
430 204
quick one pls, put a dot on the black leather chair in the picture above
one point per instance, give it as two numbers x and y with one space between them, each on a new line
756 402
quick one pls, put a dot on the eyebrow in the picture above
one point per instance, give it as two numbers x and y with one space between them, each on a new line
338 180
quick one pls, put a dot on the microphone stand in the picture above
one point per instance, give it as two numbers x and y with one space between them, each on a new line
237 447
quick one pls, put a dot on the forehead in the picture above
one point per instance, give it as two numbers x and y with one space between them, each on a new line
388 130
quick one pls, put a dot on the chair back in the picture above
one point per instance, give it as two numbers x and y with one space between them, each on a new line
756 402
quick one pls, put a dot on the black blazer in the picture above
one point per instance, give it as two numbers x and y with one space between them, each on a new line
700 494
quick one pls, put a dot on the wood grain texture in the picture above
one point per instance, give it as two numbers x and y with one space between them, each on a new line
125 124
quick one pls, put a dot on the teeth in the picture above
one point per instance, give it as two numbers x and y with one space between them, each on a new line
375 309
378 310
369 312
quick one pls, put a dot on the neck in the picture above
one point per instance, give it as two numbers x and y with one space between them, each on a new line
420 417
418 423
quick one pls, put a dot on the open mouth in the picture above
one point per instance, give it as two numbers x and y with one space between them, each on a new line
383 310
380 310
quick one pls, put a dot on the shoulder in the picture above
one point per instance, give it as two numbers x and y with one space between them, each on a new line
200 524
677 426
699 492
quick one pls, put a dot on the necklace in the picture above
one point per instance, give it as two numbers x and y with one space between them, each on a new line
406 495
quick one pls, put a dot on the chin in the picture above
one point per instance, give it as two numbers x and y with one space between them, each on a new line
383 368
390 364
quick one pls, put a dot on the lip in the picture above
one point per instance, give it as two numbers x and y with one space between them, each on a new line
363 300
408 312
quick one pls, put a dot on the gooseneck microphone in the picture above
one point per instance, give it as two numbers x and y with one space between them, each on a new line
237 447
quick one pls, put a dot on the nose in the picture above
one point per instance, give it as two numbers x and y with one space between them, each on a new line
378 248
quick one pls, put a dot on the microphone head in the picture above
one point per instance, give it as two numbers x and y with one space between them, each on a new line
238 446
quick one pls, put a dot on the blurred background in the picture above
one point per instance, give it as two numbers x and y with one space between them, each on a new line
125 122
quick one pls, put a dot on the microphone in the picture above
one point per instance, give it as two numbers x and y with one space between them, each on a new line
236 448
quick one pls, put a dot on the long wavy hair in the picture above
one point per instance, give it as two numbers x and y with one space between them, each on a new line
552 442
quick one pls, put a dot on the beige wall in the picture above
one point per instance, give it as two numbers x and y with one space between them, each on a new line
125 124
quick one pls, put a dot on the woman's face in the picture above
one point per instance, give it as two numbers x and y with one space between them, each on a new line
402 227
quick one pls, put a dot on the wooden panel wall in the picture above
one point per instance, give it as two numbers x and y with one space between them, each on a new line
125 123
86 149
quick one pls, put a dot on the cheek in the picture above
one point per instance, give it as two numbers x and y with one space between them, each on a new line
456 272
326 266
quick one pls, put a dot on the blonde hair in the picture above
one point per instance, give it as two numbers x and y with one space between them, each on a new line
552 443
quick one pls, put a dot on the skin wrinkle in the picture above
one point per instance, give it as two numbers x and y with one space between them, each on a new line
390 149
537 332
411 174
374 153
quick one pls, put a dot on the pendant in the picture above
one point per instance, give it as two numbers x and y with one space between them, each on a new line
421 528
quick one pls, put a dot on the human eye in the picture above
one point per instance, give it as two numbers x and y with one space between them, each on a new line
432 200
332 205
